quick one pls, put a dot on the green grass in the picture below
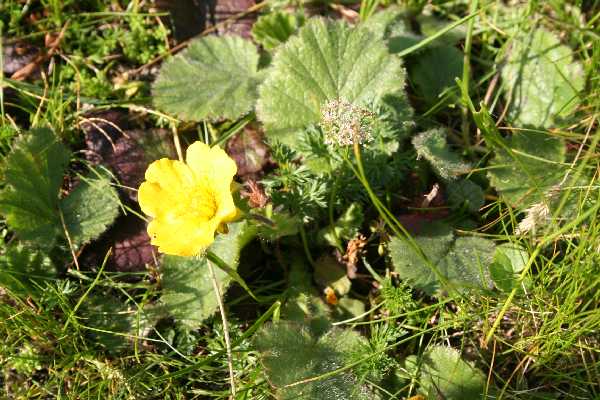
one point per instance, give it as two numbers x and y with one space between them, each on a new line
65 338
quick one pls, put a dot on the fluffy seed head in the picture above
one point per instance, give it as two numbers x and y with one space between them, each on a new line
345 123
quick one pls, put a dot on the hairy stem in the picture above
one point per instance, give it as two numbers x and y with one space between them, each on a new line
213 278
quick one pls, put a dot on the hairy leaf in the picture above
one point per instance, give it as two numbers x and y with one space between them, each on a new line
391 24
431 24
283 225
445 375
326 61
509 260
462 261
434 70
464 192
272 29
432 146
33 176
303 303
22 268
90 208
110 319
188 293
541 80
291 354
215 77
527 166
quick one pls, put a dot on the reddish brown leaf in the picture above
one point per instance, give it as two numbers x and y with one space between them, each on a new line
126 152
227 9
130 244
249 151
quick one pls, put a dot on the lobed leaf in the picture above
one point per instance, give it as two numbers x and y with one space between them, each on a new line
215 77
33 175
509 261
22 269
326 61
462 261
542 81
187 289
290 354
90 208
463 192
443 374
527 166
432 146
434 70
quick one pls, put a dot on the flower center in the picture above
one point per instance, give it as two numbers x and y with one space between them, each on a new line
196 202
202 203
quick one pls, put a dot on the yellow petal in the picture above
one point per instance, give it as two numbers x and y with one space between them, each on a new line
151 198
165 181
227 211
211 162
181 237
169 173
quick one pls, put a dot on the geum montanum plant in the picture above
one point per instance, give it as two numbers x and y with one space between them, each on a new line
189 202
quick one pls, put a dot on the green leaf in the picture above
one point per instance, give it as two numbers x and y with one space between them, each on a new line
509 260
347 308
187 290
291 354
445 375
326 61
462 261
526 167
463 192
387 23
432 146
390 24
542 81
273 29
33 176
283 225
430 25
111 321
434 70
90 208
215 77
329 272
346 226
22 269
303 303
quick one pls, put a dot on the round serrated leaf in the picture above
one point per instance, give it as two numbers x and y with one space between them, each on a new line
90 208
445 375
188 293
33 174
528 167
462 261
215 77
326 61
541 79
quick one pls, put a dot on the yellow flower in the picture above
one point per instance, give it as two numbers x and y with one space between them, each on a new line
188 201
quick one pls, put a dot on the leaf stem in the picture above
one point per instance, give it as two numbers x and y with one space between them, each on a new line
305 245
213 278
467 74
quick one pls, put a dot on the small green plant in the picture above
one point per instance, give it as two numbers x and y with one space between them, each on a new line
378 200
